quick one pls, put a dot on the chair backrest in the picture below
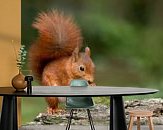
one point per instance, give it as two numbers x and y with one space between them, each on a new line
79 102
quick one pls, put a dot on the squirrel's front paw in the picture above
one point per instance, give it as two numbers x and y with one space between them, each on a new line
92 84
51 111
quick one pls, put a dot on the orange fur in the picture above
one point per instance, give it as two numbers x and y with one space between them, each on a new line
54 57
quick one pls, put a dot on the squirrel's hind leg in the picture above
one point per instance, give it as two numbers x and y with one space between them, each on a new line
51 110
52 104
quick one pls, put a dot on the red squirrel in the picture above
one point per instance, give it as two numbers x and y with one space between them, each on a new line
55 58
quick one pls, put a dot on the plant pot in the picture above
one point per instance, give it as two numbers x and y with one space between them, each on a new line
18 82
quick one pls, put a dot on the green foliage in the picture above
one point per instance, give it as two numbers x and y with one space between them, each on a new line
31 107
20 61
108 35
102 100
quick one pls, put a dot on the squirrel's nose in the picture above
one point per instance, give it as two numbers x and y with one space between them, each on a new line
90 79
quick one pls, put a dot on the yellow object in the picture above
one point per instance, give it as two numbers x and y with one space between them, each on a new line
10 29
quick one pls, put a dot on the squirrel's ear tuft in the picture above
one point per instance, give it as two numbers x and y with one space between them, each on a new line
75 54
88 51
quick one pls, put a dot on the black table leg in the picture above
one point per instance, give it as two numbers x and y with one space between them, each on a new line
9 113
117 114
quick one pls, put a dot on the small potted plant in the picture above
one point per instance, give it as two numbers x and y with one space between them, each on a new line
20 61
18 81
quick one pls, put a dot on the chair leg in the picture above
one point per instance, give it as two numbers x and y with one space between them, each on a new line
69 120
138 123
90 120
150 123
131 123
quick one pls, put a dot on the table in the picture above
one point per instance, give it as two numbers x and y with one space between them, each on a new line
117 114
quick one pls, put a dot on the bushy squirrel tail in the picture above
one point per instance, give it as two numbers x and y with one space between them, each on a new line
58 37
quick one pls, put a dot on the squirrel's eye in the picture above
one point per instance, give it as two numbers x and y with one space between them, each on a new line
81 68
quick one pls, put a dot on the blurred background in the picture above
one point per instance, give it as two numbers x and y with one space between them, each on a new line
125 37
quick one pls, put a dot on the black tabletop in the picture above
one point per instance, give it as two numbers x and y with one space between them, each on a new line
65 91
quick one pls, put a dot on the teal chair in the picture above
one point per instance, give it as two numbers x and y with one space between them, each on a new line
74 103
